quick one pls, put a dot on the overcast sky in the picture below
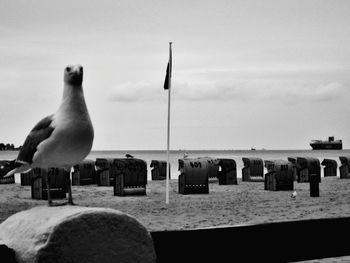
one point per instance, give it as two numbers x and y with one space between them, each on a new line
263 74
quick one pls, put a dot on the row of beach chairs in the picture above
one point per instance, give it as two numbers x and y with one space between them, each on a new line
301 166
128 176
281 174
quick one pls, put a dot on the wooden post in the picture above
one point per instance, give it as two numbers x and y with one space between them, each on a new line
314 185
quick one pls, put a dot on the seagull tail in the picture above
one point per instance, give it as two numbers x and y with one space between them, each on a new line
15 167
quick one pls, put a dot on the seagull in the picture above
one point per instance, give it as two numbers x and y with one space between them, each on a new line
129 155
294 195
62 139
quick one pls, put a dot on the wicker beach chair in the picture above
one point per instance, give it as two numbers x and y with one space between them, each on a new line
57 178
193 178
159 170
84 173
228 173
213 167
330 167
344 168
105 171
253 170
131 177
279 176
307 166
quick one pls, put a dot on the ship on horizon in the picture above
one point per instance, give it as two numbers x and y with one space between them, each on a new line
331 144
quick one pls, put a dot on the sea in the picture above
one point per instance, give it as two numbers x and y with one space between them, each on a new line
237 155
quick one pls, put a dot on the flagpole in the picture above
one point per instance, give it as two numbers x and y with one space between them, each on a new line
168 127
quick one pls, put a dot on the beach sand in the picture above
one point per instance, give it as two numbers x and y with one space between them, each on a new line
245 203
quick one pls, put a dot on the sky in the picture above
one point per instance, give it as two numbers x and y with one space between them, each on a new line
270 74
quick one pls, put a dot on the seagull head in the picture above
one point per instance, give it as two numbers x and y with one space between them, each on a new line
73 75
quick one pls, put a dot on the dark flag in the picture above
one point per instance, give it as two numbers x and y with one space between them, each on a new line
166 82
168 70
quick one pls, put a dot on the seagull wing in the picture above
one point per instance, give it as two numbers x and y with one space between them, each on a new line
41 131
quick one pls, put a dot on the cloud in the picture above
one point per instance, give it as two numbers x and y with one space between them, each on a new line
330 91
285 91
264 69
261 91
135 91
146 91
210 91
307 92
284 83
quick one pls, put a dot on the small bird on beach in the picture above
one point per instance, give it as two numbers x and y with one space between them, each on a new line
294 195
185 155
62 139
129 155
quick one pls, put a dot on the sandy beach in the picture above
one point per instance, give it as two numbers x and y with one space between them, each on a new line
245 203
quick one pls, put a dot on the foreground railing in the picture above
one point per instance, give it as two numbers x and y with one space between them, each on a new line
270 242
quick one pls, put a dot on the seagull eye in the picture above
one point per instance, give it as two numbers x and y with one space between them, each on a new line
68 69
